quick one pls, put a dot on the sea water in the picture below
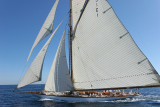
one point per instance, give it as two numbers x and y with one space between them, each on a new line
150 98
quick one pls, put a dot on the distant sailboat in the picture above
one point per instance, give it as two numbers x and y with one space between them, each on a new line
103 56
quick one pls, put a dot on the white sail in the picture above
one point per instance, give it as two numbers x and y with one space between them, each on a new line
46 28
34 72
77 6
104 53
59 79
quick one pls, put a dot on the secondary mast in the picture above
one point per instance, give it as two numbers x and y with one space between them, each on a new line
70 48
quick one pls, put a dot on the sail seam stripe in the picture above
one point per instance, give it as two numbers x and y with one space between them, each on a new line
117 78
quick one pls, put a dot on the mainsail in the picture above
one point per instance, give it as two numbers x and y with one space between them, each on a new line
34 72
46 28
59 79
105 55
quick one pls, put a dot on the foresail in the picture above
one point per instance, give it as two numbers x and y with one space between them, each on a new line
34 72
77 6
46 28
105 55
59 79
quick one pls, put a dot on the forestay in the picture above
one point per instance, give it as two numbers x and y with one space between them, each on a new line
77 6
105 55
46 28
59 79
34 73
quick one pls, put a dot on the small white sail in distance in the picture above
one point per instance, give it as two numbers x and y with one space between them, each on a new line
59 79
34 73
46 29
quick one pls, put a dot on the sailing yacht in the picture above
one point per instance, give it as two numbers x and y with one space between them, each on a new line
102 57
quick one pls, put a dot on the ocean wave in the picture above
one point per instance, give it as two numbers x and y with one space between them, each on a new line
138 99
45 99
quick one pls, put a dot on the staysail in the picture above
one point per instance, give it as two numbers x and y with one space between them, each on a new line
46 28
105 55
34 72
59 79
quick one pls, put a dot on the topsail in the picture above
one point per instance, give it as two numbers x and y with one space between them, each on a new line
46 28
77 6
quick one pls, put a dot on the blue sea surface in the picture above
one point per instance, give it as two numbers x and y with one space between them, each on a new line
150 98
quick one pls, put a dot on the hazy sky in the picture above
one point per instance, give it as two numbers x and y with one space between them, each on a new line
21 20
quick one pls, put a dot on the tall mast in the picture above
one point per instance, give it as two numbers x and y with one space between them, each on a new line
70 51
